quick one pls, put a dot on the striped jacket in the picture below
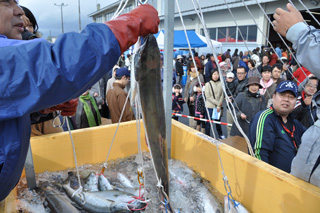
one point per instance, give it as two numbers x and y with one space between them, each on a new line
270 142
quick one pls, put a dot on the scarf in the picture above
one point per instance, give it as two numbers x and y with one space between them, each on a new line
88 111
265 86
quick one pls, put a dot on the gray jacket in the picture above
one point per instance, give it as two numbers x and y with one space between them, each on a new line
305 40
309 152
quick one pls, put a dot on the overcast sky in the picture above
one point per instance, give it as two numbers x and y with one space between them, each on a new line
49 16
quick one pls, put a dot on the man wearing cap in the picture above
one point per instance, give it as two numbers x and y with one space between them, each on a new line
274 134
243 62
116 97
179 69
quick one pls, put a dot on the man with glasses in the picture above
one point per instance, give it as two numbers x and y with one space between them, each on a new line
240 85
274 134
305 110
241 81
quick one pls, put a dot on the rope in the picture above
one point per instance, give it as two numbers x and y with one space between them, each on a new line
196 68
114 136
266 15
228 101
202 119
310 13
264 35
119 11
78 191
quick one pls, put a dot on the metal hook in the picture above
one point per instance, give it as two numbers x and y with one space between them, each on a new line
143 2
57 116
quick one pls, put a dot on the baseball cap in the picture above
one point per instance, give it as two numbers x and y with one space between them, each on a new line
284 59
244 57
288 86
179 57
230 75
122 71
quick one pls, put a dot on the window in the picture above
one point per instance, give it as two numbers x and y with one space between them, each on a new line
109 16
252 33
243 31
99 19
222 33
231 34
212 33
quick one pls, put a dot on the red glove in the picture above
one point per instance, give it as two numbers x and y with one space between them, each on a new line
141 21
67 109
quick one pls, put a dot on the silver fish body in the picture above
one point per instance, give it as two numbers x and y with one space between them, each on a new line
148 76
124 180
94 203
91 184
103 183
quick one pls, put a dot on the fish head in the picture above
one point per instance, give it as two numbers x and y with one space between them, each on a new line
119 207
147 58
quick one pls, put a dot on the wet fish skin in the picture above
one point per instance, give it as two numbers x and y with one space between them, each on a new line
103 183
57 202
91 183
120 196
94 203
124 180
149 78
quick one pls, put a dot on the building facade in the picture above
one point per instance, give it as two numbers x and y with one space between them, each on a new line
235 30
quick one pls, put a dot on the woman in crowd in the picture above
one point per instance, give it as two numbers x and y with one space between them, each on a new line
189 93
214 98
253 71
268 87
247 104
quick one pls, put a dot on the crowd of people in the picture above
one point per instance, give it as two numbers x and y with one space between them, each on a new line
38 79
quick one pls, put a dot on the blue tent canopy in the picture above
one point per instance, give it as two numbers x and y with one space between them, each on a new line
180 40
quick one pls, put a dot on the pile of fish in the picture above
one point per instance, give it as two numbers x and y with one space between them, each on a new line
99 195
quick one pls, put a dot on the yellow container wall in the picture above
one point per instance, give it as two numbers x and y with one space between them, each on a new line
257 185
54 152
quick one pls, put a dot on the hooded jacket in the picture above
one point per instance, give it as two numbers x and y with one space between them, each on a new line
36 75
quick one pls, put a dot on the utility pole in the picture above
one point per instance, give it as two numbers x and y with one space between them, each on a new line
79 17
61 5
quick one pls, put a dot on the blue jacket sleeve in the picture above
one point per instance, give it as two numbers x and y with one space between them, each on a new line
36 74
306 41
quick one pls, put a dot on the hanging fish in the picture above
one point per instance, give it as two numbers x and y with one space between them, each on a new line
148 76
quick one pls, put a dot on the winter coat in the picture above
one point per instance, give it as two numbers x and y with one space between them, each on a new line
248 104
188 90
179 68
116 98
214 94
306 163
307 115
199 106
240 87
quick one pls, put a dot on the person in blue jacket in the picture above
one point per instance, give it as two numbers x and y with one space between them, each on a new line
274 134
36 74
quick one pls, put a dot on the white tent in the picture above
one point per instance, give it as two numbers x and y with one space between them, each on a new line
215 44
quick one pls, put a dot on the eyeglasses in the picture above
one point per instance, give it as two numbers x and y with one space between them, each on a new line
241 73
286 95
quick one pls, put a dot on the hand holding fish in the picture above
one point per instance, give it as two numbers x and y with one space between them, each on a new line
141 21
